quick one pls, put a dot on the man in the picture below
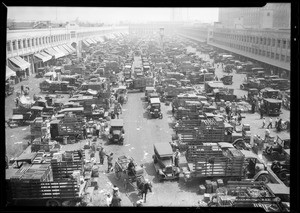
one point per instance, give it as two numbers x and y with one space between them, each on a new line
131 168
109 162
276 122
102 154
261 112
176 158
98 129
267 134
116 201
270 124
84 132
264 123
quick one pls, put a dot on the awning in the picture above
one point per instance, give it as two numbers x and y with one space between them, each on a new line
9 73
86 43
93 40
46 55
89 41
70 47
42 57
67 49
59 51
51 52
66 52
20 62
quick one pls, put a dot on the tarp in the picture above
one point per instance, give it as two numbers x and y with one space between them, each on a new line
52 52
46 55
42 57
20 62
86 43
70 47
67 48
59 51
9 73
92 92
62 49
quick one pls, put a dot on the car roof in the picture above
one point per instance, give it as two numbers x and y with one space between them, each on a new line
276 188
117 122
271 100
163 149
154 101
149 88
249 154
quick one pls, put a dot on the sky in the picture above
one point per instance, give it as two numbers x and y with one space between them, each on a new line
108 15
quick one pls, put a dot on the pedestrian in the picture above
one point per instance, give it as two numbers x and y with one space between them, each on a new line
264 123
116 201
176 158
267 134
108 200
253 107
79 154
17 102
22 89
102 154
115 191
261 110
279 125
260 146
84 132
98 129
270 124
276 122
239 118
109 162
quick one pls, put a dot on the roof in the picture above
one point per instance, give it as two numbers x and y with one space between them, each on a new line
117 122
249 154
17 117
225 145
150 88
71 109
154 101
37 108
216 84
27 156
122 87
271 100
278 188
163 149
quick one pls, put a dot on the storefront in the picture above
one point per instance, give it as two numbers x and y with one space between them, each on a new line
20 66
10 75
41 59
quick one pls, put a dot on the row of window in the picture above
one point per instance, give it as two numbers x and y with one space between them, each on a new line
33 42
256 51
280 43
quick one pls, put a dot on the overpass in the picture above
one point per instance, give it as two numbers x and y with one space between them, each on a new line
26 50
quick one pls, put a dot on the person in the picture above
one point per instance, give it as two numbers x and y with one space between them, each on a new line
116 201
22 89
267 134
108 200
17 102
98 129
176 158
84 132
80 154
261 112
109 162
131 168
253 107
102 154
279 125
260 146
276 122
264 123
115 191
270 124
239 118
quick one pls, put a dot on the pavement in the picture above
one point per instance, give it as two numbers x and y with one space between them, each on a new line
140 135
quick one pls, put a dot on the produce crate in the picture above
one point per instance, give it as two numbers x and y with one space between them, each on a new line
64 169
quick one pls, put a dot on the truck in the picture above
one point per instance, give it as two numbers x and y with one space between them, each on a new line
140 83
216 160
127 71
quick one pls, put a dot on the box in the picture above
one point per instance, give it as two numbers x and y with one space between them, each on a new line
202 189
206 198
208 186
220 183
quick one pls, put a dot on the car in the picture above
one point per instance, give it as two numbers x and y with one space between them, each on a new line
154 110
272 106
163 162
116 131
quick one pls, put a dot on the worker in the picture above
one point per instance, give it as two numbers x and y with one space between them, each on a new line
276 122
108 199
131 168
98 127
116 191
116 201
270 123
264 123
102 154
109 162
176 158
84 132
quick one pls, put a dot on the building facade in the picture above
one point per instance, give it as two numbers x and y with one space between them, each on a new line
273 15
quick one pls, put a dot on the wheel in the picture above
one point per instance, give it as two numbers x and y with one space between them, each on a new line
53 203
282 175
264 178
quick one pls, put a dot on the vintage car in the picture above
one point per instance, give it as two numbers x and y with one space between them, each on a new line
272 106
116 131
270 93
163 162
148 90
154 110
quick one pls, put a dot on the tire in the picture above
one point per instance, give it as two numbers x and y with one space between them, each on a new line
282 175
53 203
264 178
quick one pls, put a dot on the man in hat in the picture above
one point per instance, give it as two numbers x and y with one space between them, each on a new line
176 158
102 154
98 129
131 168
115 191
109 162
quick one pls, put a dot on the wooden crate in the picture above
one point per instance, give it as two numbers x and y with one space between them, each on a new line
64 169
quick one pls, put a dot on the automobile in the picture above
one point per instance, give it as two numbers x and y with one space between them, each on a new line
278 150
154 108
280 84
270 93
163 162
116 131
272 106
227 79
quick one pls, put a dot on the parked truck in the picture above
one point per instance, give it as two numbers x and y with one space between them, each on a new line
140 83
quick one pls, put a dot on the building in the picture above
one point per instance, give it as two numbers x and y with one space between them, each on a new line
27 50
153 28
273 15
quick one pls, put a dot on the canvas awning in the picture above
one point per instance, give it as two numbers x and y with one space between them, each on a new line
42 57
52 52
59 51
70 47
67 49
62 49
9 73
20 62
90 41
46 55
86 43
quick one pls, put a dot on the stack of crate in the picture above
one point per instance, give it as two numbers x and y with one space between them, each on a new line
211 130
37 173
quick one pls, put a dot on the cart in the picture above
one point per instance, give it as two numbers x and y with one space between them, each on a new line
121 172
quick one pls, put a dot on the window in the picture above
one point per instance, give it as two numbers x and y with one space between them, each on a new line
265 41
250 38
268 54
282 57
40 41
272 55
19 44
263 52
288 44
14 44
259 52
283 44
278 42
256 51
8 46
268 14
287 58
32 42
277 56
261 40
269 42
273 42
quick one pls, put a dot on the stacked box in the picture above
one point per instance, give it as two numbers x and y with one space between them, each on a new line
206 198
202 189
220 183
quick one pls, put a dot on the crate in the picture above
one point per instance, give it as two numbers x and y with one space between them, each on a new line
220 183
214 186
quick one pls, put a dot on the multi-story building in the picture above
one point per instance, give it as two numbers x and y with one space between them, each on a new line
27 50
273 15
153 28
